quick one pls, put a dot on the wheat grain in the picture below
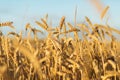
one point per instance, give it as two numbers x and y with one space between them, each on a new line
104 12
62 22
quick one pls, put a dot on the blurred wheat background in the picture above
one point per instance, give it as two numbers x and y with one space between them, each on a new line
62 48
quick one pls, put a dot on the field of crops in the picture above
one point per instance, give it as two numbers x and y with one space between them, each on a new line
92 55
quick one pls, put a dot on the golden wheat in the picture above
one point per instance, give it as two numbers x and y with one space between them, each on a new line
92 54
104 12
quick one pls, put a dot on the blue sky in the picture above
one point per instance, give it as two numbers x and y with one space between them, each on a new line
24 11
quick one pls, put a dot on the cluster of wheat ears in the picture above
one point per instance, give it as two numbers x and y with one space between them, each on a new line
94 55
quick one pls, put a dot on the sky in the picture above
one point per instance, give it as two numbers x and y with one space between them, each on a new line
22 12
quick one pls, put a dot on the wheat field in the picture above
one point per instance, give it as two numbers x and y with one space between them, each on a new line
93 55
